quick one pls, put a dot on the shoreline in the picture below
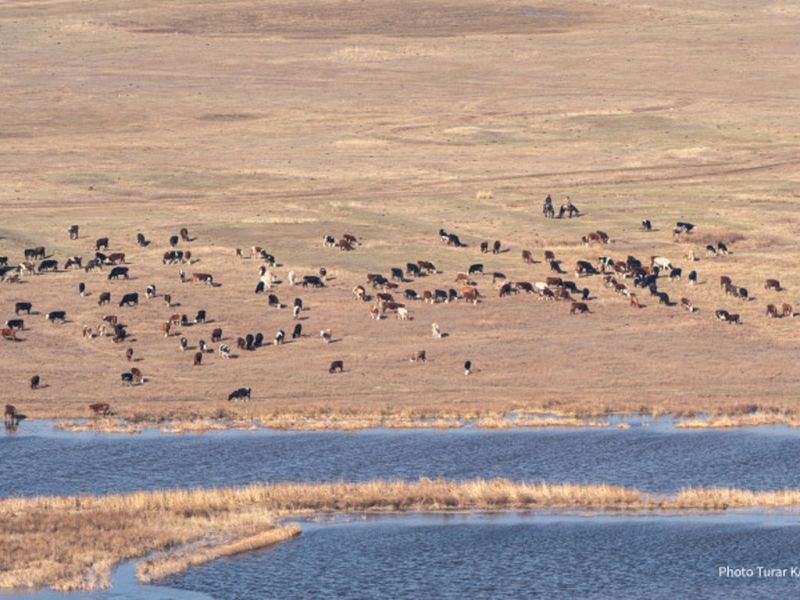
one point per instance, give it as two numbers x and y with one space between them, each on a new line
169 531
300 422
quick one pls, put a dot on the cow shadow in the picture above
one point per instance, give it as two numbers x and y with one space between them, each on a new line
336 341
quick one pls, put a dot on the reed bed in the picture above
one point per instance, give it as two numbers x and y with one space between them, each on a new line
73 542
726 421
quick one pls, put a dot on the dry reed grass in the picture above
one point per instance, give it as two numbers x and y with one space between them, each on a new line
73 542
728 421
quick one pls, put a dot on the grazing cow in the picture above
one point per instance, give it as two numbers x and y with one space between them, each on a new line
384 296
241 343
549 256
100 409
138 378
579 308
279 337
663 298
375 313
787 310
555 266
413 270
88 332
9 334
198 359
439 296
734 318
497 276
436 330
647 225
266 257
660 262
119 334
426 266
711 250
476 268
470 294
297 331
127 378
166 328
682 227
202 278
35 253
110 319
272 300
496 247
742 293
360 293
224 351
101 243
397 274
313 281
721 314
724 281
73 261
675 273
240 394
82 289
687 304
200 317
22 306
692 277
73 232
184 343
118 272
140 240
182 276
150 292
344 245
129 354
184 233
527 257
116 257
10 415
772 311
453 240
507 289
402 313
524 286
203 346
419 356
584 268
56 315
168 299
351 239
722 248
101 257
216 334
773 284
93 265
130 299
326 335
443 235
337 366
485 247
468 367
554 282
47 265
259 287
329 241
172 256
452 295
173 240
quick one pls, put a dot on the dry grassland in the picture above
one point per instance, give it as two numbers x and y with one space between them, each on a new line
274 123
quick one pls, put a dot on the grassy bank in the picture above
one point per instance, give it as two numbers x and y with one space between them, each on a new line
73 542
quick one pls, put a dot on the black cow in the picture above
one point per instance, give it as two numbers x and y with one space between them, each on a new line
663 298
675 273
397 274
313 281
101 243
130 299
127 378
22 306
440 295
646 225
452 240
15 324
260 287
48 265
410 295
298 331
258 340
337 366
272 300
476 268
249 339
56 315
452 295
240 394
141 241
412 270
118 272
692 277
200 317
173 240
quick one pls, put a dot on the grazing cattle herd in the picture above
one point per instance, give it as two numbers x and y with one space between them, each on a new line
624 275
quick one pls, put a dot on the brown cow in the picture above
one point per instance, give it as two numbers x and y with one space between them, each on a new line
175 319
337 366
360 293
554 281
10 416
73 232
216 335
184 233
385 296
375 313
116 257
198 358
104 298
426 266
390 306
351 239
100 409
734 318
579 308
166 328
111 319
9 334
241 343
772 311
168 299
773 284
344 245
602 235
129 354
419 356
549 255
687 304
787 310
724 280
527 257
463 277
470 294
137 377
202 278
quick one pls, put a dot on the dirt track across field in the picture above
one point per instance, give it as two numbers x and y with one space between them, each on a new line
274 123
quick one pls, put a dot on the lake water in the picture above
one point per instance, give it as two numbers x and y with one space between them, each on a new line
36 460
559 556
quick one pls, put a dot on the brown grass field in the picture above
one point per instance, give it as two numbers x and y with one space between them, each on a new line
275 123
73 542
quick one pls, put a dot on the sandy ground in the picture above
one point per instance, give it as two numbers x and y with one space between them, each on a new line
274 123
